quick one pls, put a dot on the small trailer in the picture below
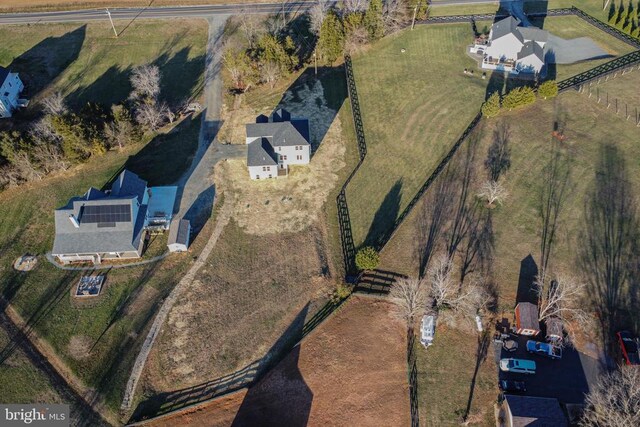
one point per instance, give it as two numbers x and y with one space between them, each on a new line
427 330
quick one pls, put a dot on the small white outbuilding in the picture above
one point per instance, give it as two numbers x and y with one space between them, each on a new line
179 235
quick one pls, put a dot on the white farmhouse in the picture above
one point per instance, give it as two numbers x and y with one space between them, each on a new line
10 88
276 144
512 48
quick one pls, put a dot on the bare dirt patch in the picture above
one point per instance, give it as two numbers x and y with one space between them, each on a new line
79 347
350 371
292 203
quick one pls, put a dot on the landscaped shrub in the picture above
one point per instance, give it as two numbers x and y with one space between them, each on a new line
548 89
367 259
342 291
491 106
519 97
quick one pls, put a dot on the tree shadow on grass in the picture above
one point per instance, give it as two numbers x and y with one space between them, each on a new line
297 97
608 242
385 216
170 401
43 63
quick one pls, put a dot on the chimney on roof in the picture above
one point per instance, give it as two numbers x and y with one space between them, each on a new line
74 221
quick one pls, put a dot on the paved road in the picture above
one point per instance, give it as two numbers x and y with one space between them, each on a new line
185 11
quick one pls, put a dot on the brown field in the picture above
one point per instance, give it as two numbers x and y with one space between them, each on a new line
350 371
43 5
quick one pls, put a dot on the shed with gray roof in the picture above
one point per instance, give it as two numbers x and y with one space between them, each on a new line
179 236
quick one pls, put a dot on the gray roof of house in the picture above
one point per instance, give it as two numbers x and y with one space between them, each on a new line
179 232
508 25
260 153
528 315
128 184
281 134
531 48
116 235
554 326
534 33
4 72
535 411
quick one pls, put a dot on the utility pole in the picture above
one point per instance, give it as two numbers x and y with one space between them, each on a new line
415 12
111 20
284 20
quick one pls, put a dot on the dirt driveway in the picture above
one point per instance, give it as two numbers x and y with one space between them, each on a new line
350 371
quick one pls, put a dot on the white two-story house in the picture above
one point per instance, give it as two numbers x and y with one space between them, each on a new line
275 144
10 90
512 48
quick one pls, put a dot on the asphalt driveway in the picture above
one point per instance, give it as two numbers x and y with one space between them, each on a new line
563 51
567 379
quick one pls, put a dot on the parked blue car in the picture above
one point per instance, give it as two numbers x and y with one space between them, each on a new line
544 349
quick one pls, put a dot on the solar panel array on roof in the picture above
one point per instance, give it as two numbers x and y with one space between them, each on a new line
105 214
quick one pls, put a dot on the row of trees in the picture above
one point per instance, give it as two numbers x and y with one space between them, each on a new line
625 17
518 97
61 137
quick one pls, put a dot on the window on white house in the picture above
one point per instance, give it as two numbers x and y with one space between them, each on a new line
257 176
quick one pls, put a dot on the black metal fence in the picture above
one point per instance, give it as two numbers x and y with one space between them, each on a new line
344 220
614 66
412 371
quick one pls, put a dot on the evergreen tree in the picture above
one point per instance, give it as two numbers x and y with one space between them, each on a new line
77 143
373 20
281 53
331 42
518 97
612 13
548 89
12 143
491 106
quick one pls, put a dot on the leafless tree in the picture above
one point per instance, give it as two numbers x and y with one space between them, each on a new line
118 133
54 104
50 157
409 297
446 292
26 168
251 26
43 131
394 15
145 81
355 5
615 400
317 14
493 192
269 73
356 39
152 116
9 176
563 299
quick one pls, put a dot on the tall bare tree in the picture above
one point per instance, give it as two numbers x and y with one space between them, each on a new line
54 104
493 192
152 116
42 130
394 15
145 81
409 297
355 5
251 26
615 400
50 157
317 14
269 73
563 299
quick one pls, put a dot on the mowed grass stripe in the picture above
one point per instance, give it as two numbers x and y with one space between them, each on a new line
415 105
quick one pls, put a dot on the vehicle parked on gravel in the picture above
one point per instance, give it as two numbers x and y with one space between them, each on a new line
544 349
512 386
521 366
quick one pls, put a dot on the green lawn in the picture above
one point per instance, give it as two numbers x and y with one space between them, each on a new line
593 7
21 381
87 63
414 106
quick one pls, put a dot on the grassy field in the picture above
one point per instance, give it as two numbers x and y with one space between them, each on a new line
451 377
21 381
7 6
259 281
593 7
415 105
87 63
94 339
